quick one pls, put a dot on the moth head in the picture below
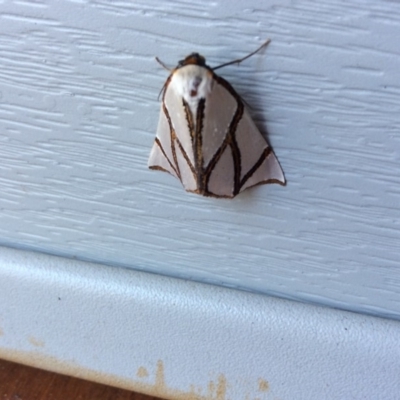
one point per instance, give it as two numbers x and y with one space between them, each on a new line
194 58
192 82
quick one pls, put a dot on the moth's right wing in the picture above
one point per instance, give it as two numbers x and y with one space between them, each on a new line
173 149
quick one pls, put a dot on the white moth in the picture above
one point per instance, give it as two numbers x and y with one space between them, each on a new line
206 137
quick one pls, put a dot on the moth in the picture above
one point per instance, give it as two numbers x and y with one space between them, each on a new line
206 137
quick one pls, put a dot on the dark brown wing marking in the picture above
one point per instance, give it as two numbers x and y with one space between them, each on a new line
189 120
196 139
157 141
172 139
257 165
198 145
237 164
186 157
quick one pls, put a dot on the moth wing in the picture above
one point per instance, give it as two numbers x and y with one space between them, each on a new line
258 162
172 150
220 108
161 155
222 179
182 143
255 159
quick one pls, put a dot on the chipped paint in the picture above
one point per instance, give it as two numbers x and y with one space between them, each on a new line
216 390
263 385
221 388
35 342
142 372
160 375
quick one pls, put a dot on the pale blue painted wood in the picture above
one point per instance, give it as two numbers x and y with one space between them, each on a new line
183 340
79 110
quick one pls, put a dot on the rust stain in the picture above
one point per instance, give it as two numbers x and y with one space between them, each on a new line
35 342
160 375
216 390
211 388
195 390
221 387
142 372
263 385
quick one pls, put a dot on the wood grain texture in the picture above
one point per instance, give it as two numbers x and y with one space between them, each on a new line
78 114
19 382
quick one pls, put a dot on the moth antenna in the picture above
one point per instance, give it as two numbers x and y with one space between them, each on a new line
168 69
265 44
162 90
163 65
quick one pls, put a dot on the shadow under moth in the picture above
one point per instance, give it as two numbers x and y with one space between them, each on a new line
206 137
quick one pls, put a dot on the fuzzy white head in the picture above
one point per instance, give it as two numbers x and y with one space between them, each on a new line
192 82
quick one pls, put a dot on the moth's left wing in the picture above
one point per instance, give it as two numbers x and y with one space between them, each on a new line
259 164
236 155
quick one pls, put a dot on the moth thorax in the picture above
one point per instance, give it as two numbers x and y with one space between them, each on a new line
192 83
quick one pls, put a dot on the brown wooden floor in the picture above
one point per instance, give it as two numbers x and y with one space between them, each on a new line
18 382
